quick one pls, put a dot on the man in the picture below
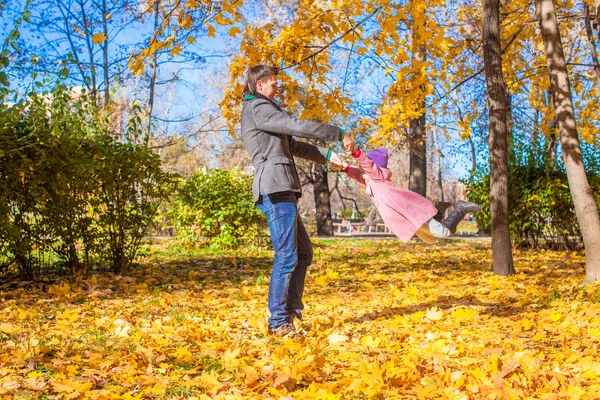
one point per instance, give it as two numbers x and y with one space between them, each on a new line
268 136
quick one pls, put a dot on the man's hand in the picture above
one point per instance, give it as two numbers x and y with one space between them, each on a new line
348 143
337 161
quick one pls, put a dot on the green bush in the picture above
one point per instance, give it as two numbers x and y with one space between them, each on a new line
217 205
69 190
540 205
131 187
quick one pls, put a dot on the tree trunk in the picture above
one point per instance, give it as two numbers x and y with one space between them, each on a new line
90 48
586 208
153 76
439 162
553 143
67 29
597 4
105 54
470 138
592 42
322 201
498 139
473 154
417 181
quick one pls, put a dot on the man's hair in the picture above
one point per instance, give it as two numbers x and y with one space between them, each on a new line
255 74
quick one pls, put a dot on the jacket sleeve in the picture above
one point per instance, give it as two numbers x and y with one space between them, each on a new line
368 166
354 173
309 151
269 119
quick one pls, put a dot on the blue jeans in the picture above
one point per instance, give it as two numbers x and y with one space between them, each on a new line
293 255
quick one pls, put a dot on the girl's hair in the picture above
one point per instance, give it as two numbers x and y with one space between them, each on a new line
255 74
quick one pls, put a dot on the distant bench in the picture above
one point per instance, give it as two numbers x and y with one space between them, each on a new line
360 228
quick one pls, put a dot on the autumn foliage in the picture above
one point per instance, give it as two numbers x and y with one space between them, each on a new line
383 320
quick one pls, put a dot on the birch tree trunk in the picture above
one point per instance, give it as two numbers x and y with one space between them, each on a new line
498 139
586 208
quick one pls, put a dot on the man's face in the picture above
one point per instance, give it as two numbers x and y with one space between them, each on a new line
268 87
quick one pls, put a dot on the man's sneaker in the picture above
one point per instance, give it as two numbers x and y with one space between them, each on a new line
286 330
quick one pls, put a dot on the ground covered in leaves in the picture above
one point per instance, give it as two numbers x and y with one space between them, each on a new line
382 320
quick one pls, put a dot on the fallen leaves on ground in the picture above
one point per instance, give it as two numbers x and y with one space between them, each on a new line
382 320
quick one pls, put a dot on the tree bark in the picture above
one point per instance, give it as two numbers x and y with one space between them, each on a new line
322 201
592 42
597 4
417 180
105 54
553 143
153 76
471 143
90 48
439 162
498 139
586 208
64 11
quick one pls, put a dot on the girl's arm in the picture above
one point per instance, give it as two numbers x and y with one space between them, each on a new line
354 173
368 165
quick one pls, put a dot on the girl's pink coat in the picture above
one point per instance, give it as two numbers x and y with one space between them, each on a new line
402 210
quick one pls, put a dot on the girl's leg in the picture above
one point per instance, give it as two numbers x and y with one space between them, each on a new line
425 235
432 230
437 229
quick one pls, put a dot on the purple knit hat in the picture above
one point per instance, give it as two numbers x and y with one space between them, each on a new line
379 157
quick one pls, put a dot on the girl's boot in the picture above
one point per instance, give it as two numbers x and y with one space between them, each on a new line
461 208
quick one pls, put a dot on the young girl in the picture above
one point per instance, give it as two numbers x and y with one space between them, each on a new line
406 213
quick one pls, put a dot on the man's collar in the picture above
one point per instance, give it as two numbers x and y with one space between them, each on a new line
256 95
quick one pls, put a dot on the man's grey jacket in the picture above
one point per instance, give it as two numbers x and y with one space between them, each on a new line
267 136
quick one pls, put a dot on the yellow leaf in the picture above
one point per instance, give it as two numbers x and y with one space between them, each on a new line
8 328
176 50
234 31
230 358
274 391
62 288
67 316
322 280
251 375
73 369
337 337
526 324
99 38
210 31
464 313
62 388
434 314
182 353
122 331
